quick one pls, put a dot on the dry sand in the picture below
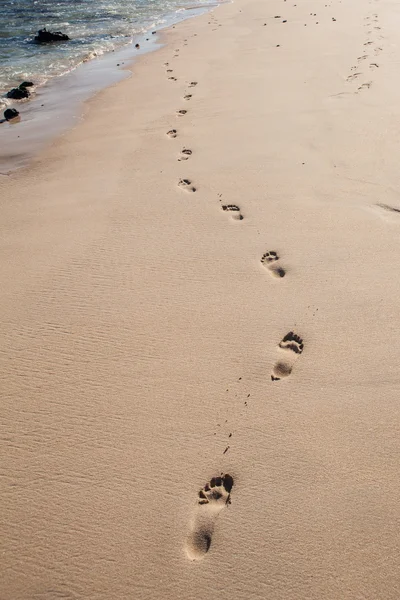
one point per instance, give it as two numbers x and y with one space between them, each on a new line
141 323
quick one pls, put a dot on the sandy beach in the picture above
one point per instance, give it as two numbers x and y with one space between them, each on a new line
198 284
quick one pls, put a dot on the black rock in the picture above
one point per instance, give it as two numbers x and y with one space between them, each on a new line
45 37
18 94
10 113
25 84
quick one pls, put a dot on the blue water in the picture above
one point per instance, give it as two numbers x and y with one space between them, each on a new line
94 26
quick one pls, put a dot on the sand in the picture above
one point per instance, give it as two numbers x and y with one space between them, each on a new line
142 322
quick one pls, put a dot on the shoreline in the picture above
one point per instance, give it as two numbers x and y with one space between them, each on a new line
63 97
203 289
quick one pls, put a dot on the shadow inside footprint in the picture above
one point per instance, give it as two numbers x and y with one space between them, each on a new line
186 184
270 261
172 133
234 210
292 345
213 497
181 112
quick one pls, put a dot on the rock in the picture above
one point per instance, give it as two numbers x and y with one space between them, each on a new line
25 84
10 113
45 37
18 94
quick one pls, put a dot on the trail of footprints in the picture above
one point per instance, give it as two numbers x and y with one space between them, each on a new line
216 494
366 62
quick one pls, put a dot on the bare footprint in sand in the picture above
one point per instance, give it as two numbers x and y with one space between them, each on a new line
270 261
187 97
192 83
186 184
181 112
172 133
185 153
213 497
364 86
353 76
292 345
234 210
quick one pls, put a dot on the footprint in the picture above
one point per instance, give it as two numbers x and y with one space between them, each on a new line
353 76
187 97
235 210
374 66
173 78
185 153
192 83
365 85
292 346
172 133
269 260
170 70
213 497
181 112
186 184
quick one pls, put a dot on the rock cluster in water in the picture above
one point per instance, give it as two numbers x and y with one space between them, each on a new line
45 37
10 113
20 92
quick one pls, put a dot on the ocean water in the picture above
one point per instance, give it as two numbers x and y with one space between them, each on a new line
95 27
